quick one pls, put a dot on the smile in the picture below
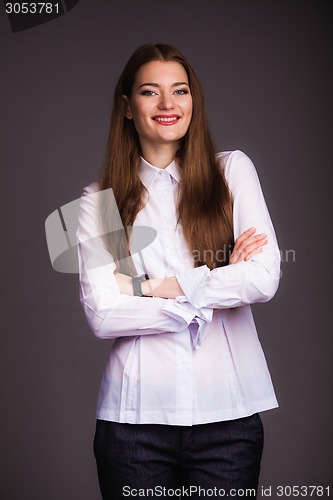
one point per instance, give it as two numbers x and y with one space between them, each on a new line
166 120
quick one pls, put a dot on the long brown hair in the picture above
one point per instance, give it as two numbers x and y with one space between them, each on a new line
205 204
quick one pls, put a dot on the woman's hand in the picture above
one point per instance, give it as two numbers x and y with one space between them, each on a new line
247 245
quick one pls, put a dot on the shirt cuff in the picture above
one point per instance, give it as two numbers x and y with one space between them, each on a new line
197 328
191 282
195 319
205 313
183 312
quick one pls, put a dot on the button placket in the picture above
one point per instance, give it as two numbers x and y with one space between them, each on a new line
184 386
167 211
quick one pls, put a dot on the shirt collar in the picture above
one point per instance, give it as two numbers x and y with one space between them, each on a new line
148 172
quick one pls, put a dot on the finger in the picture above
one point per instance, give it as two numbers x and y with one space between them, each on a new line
253 247
240 246
248 249
254 242
256 251
233 258
246 234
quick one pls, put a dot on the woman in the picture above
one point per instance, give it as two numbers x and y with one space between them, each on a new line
179 400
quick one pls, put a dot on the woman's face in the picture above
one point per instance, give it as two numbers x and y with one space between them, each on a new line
161 103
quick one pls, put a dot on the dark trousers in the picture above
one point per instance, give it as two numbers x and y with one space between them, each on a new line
163 461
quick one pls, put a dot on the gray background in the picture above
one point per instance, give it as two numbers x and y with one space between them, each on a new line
266 70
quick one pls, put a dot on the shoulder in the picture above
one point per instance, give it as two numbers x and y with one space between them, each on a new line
93 187
90 195
89 200
237 166
234 160
88 212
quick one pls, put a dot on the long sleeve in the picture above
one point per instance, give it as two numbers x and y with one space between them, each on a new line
109 313
247 282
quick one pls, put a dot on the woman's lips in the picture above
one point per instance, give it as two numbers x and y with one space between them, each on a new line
166 119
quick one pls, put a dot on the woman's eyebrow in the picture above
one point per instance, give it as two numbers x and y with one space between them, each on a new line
151 84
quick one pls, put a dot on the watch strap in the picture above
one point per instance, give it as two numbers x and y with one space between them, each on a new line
136 282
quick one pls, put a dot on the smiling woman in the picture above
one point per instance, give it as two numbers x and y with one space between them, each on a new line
179 400
161 107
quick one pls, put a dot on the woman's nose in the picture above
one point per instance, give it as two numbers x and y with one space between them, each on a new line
165 101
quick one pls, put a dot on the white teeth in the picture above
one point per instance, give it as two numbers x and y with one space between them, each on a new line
161 119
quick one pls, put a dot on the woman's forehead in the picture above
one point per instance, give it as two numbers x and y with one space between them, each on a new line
161 72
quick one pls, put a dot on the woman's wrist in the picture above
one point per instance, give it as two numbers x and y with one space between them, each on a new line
149 287
166 288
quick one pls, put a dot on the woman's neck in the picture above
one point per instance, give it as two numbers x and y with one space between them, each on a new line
160 155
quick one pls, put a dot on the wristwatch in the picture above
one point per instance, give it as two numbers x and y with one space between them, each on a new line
136 282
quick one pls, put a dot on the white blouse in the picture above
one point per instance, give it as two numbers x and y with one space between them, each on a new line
197 358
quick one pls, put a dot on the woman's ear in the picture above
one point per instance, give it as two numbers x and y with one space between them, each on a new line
128 112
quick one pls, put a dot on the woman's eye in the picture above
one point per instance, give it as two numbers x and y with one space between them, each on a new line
148 92
181 91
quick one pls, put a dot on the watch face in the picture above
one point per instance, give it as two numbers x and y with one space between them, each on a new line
142 277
